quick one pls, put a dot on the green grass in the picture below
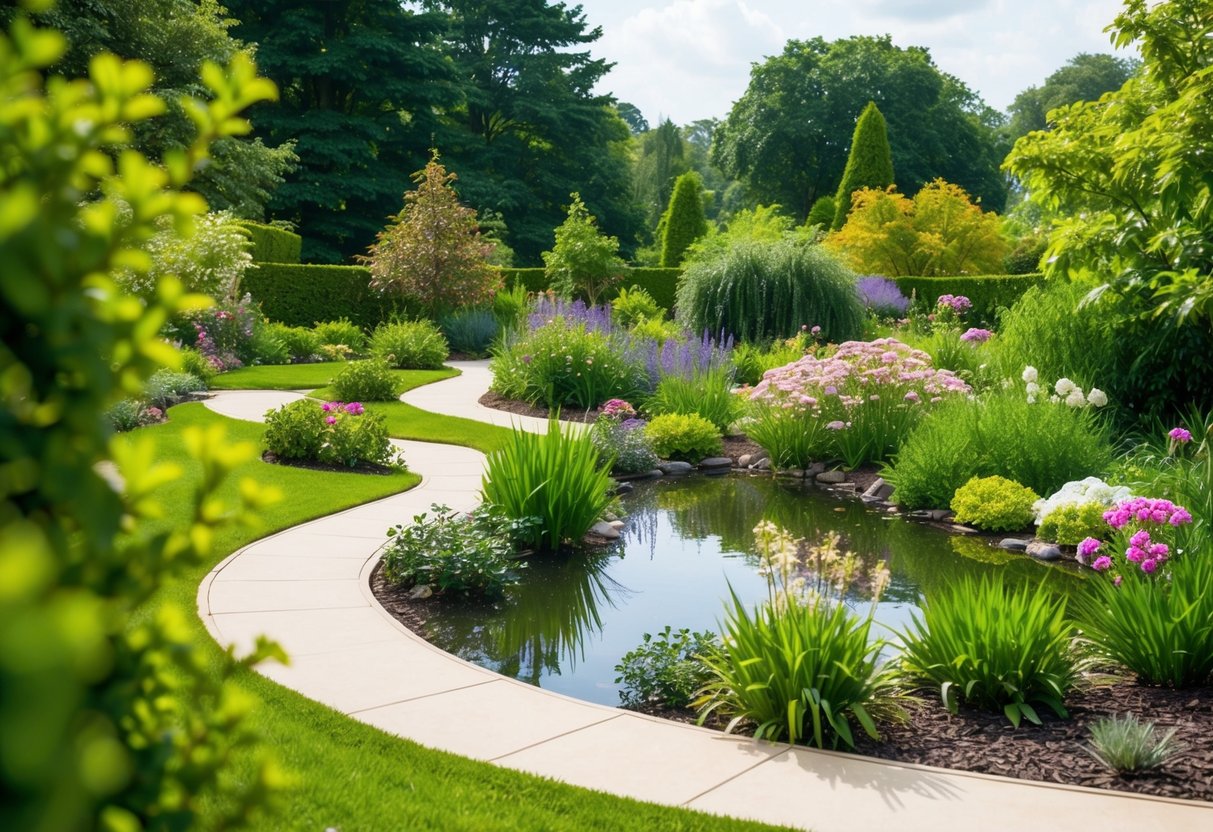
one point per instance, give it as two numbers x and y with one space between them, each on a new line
408 379
278 377
345 774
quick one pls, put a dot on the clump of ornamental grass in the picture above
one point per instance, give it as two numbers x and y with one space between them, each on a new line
856 404
802 666
557 477
994 647
1127 744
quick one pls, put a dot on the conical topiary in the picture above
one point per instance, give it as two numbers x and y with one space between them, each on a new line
683 221
869 164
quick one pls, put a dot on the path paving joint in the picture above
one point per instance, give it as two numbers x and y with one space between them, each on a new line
350 654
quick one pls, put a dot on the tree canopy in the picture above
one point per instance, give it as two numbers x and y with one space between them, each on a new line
1085 77
786 138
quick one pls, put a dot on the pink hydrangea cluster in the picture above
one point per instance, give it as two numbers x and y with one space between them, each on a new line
618 409
976 336
858 372
1146 510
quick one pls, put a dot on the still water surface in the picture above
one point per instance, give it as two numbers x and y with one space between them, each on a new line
572 619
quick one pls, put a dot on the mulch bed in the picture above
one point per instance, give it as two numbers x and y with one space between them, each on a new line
570 414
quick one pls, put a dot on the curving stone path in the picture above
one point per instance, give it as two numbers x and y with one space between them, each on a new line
307 588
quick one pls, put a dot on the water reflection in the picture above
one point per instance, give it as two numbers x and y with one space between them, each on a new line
566 627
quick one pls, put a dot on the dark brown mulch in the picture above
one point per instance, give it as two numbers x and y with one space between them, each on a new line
570 414
311 465
987 743
738 446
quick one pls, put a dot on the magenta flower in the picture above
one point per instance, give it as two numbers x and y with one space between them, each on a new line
1102 563
1089 546
1180 435
355 409
976 335
1149 565
330 420
1140 539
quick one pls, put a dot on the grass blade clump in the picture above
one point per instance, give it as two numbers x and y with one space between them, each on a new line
1128 744
557 477
995 648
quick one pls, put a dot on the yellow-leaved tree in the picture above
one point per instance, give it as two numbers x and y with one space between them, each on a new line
938 232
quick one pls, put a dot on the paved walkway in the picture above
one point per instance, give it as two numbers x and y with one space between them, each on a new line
307 588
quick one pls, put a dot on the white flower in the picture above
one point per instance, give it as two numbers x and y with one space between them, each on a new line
1029 374
1076 398
1064 387
1031 400
1033 389
1055 399
1097 397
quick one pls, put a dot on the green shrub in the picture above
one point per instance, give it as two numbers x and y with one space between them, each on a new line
564 363
1046 329
995 504
165 388
470 331
267 347
869 161
341 332
756 291
272 244
128 414
800 667
332 433
532 280
631 306
301 342
510 307
1161 630
194 363
987 292
792 438
455 552
1126 744
994 647
583 260
664 670
751 361
302 295
684 436
707 393
410 345
1071 523
822 212
366 381
1042 446
555 477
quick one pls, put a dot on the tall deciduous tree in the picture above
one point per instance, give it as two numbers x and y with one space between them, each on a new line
432 253
938 232
530 128
786 137
361 84
869 162
1085 77
174 37
663 158
683 222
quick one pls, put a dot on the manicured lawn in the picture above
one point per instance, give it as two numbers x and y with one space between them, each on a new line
307 377
350 776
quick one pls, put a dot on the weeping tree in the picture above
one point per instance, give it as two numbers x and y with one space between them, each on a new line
756 290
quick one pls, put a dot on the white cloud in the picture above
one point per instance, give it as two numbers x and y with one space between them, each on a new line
917 10
688 59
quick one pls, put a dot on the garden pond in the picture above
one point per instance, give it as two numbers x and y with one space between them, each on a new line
571 619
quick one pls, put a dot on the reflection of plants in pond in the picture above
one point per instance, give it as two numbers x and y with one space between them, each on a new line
994 647
801 665
548 618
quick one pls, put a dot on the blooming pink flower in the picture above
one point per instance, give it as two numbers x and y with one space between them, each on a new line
1180 435
355 409
331 420
976 335
837 424
1140 538
1149 566
1089 546
1102 563
815 330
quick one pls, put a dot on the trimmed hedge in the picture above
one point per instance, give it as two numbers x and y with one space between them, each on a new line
988 292
305 294
272 244
660 283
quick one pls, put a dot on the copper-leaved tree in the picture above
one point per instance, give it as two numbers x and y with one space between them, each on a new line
432 253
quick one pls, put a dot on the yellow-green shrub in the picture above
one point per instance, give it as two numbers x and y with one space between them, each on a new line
994 503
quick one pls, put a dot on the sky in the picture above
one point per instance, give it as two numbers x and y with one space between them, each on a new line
690 59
